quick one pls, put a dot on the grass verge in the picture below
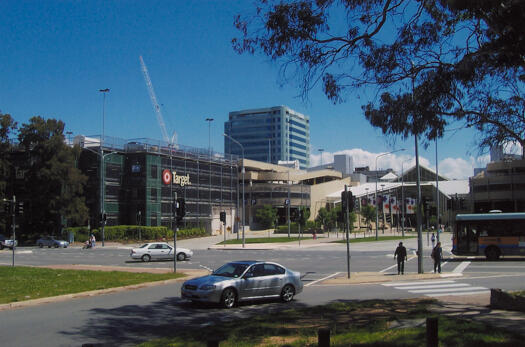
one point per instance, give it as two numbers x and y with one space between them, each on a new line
264 240
26 283
373 238
363 323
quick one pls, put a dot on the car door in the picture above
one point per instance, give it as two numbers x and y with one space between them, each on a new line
165 251
274 279
252 284
153 251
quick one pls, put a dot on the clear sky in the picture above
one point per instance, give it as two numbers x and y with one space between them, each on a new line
56 55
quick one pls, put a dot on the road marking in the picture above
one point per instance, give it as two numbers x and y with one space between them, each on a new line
414 283
322 279
438 288
461 267
393 266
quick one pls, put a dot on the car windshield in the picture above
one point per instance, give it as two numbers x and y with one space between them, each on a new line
230 270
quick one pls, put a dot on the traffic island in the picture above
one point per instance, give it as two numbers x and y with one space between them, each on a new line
377 277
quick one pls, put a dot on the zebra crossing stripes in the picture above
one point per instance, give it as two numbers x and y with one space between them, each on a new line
438 288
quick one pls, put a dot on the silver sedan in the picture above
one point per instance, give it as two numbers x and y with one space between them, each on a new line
244 280
159 250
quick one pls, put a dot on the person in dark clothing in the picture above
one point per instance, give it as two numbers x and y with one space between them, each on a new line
437 255
401 254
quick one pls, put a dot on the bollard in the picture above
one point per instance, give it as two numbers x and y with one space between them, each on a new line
323 337
432 332
213 343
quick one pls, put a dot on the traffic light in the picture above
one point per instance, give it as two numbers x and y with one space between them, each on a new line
223 217
19 209
350 199
181 209
7 207
104 217
340 217
344 201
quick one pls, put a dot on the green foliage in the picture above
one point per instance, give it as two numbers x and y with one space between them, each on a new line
51 178
26 283
475 76
323 218
266 216
129 233
369 213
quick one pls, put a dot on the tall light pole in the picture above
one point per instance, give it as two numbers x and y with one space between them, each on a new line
403 204
377 179
437 193
243 205
418 184
209 120
102 183
321 150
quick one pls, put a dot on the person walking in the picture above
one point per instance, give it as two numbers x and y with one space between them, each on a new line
437 255
401 254
433 239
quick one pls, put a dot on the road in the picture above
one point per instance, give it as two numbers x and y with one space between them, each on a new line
130 317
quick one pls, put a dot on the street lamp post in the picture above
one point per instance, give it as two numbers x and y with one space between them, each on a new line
437 193
377 179
102 183
209 120
403 203
243 204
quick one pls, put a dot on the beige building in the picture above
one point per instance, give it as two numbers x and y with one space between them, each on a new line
276 185
500 187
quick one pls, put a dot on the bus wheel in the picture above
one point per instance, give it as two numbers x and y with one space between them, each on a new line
492 253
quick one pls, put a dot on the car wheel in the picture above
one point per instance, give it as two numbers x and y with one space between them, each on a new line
40 245
146 257
492 253
287 293
181 256
228 298
1 246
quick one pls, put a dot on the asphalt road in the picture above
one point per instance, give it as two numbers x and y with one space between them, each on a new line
130 317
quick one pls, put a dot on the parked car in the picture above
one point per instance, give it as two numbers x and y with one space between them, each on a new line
50 241
244 280
159 250
7 243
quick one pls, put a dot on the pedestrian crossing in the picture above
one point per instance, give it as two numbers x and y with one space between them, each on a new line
438 288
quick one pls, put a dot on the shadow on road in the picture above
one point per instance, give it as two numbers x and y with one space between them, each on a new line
133 324
483 260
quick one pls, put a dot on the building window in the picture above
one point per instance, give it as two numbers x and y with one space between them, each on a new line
153 171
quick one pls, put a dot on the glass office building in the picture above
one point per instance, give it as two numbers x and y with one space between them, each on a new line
269 135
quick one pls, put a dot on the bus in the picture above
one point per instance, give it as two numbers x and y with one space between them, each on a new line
491 234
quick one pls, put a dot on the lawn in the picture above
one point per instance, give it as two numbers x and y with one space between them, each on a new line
264 240
25 283
356 323
373 238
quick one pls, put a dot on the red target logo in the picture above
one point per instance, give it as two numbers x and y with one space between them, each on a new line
166 176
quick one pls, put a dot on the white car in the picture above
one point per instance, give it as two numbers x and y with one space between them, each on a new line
159 250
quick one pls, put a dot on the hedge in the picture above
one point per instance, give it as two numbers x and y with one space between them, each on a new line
132 233
309 228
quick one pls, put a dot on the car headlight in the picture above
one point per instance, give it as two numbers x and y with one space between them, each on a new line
207 287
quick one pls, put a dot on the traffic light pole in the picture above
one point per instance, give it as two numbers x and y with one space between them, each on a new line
174 235
13 213
347 227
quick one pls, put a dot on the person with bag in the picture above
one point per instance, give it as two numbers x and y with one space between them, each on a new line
437 255
401 254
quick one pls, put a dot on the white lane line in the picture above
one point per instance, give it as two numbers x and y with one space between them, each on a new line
322 279
430 286
393 266
429 291
461 267
462 293
415 283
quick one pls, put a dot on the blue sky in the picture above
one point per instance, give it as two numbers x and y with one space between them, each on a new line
56 55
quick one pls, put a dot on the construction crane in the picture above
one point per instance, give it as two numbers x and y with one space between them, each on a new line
156 106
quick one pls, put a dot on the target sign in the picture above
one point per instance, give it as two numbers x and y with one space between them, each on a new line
166 176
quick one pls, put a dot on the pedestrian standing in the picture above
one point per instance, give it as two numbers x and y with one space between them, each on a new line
437 255
93 241
401 254
433 239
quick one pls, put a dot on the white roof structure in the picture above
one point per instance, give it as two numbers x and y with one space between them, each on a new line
447 188
389 177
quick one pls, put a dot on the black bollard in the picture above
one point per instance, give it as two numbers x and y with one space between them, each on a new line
323 337
432 332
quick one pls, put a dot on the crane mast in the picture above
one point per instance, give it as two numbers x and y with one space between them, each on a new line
155 104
